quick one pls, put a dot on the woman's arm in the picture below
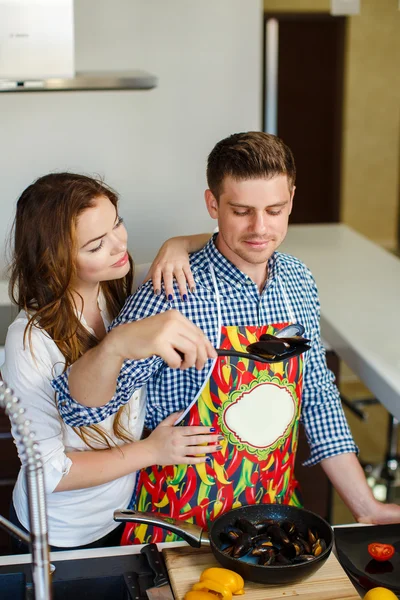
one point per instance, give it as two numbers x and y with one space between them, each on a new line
167 445
92 379
172 261
29 375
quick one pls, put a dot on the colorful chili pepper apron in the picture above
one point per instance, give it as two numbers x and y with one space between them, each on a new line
256 407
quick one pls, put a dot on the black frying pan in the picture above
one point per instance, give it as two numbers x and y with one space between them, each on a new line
196 536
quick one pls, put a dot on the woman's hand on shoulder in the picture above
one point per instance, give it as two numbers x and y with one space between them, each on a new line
172 262
169 445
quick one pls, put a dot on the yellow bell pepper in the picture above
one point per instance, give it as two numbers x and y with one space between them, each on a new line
231 580
210 585
199 596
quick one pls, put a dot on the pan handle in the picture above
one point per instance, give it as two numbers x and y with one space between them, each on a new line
192 534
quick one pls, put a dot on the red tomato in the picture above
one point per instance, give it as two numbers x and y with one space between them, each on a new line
381 552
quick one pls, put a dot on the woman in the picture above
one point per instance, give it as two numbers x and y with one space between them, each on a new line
70 275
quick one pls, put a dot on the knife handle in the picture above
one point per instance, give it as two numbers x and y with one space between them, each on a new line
156 564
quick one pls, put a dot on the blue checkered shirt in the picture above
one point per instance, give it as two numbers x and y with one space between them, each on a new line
290 290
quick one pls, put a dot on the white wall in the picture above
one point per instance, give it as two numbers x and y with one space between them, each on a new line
151 146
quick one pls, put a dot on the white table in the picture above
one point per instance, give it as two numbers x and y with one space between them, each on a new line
359 288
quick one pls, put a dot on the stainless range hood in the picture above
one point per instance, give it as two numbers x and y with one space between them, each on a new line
86 81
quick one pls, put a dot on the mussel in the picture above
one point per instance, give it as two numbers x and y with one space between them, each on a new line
319 547
247 526
262 525
262 540
277 534
230 534
281 559
289 528
303 558
267 558
242 545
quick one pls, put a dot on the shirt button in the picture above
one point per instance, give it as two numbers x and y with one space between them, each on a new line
238 285
249 281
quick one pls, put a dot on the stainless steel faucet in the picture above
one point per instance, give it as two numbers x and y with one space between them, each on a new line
33 467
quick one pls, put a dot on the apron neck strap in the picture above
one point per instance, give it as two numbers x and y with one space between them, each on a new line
218 300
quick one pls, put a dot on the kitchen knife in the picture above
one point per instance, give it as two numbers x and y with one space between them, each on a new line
162 589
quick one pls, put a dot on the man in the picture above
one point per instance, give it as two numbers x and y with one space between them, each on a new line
244 288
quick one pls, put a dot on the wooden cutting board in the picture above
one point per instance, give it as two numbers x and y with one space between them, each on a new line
330 582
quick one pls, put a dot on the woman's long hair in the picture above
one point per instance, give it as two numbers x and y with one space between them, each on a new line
44 264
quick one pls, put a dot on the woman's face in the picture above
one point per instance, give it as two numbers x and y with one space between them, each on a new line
102 244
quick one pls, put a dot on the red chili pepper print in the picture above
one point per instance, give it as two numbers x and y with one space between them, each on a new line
237 474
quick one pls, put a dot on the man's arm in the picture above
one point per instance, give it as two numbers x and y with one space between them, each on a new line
327 430
348 478
329 435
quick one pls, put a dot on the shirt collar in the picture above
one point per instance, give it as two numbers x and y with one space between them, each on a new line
101 303
226 270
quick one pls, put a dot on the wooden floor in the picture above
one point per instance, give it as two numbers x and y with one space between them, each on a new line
370 437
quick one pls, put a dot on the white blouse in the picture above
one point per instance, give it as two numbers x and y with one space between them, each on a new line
75 517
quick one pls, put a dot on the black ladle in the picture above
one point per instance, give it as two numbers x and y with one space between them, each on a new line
268 351
272 348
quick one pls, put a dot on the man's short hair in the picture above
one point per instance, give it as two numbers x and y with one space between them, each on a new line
251 155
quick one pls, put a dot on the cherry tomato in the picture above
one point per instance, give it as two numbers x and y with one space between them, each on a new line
381 552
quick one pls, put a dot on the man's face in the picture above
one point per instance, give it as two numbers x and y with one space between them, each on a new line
252 217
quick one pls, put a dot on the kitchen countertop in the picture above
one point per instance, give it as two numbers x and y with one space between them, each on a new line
15 559
359 288
20 559
122 551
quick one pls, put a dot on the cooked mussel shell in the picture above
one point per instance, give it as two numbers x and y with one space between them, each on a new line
302 530
262 540
303 558
230 534
289 551
289 528
294 329
307 548
242 545
280 559
246 526
312 536
278 535
263 547
319 547
228 550
260 550
262 525
267 558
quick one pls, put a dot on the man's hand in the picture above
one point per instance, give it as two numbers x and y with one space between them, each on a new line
381 514
164 335
348 478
